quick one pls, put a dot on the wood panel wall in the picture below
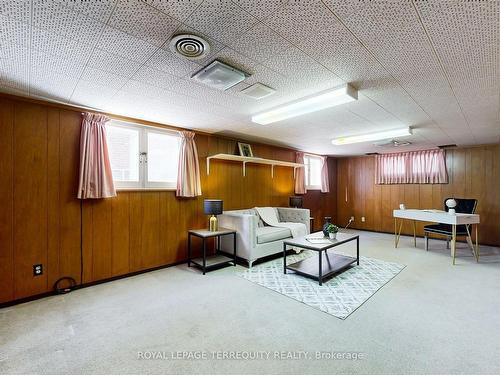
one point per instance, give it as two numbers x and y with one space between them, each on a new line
473 173
42 222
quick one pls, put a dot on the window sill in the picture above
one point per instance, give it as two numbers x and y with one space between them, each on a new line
313 187
144 189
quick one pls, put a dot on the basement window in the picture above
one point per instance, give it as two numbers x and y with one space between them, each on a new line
142 157
312 172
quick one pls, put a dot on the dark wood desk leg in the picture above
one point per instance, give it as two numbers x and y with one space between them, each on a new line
234 247
189 249
284 259
218 245
357 251
320 275
204 254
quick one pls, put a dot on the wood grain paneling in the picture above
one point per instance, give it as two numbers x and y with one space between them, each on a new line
473 173
30 198
41 220
6 200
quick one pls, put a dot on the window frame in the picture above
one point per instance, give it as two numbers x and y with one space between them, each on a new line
307 172
144 183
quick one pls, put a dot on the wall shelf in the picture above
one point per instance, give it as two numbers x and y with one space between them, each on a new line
245 159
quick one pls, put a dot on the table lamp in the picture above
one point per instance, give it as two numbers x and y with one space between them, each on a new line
295 202
212 207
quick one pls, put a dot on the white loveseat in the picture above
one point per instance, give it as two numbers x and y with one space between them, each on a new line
254 239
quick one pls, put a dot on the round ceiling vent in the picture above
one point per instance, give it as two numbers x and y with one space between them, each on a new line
191 47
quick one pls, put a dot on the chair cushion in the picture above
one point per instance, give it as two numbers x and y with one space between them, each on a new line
270 234
445 229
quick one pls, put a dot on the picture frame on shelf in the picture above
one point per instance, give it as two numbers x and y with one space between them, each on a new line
245 149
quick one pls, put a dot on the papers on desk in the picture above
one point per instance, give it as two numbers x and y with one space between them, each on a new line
318 240
434 211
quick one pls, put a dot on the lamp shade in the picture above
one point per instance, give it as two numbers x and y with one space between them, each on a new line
296 202
212 206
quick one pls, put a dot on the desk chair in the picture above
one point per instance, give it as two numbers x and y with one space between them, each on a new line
464 206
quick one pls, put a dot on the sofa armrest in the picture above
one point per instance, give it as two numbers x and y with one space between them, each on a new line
246 237
295 215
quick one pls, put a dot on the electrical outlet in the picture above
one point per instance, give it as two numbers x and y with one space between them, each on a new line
37 269
352 218
363 219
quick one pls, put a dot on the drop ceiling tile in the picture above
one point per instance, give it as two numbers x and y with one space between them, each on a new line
180 9
99 10
14 32
52 85
125 45
260 9
103 78
43 62
59 45
260 43
154 77
14 67
93 94
368 109
14 78
112 63
466 37
137 18
14 52
167 62
406 53
221 19
150 91
59 19
19 10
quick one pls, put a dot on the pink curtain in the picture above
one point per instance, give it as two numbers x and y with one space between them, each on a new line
96 178
188 175
418 167
300 175
325 183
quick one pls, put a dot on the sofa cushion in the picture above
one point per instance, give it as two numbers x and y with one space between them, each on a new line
270 234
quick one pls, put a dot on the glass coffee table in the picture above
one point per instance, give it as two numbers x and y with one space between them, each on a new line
324 263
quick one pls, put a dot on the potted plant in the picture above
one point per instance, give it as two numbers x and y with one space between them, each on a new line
332 231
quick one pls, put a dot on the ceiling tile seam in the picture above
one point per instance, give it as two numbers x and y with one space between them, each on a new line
171 16
380 63
144 64
154 53
373 123
93 50
345 81
441 65
216 39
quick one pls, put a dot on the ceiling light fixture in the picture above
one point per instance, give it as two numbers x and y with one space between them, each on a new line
372 136
325 99
219 75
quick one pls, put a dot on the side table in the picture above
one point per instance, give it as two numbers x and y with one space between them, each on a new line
206 262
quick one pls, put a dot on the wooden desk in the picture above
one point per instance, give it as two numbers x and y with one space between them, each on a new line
436 216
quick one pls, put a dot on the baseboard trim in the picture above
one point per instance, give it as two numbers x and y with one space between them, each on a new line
86 285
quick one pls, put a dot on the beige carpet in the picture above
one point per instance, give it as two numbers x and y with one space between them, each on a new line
434 318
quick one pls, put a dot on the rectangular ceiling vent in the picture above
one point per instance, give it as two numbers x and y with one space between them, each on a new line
258 91
219 75
447 146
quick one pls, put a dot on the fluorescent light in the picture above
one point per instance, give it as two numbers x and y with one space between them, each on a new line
372 136
313 103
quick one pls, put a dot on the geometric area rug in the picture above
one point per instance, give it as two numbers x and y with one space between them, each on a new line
339 296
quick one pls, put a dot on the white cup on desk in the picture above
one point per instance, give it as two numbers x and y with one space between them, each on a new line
402 206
